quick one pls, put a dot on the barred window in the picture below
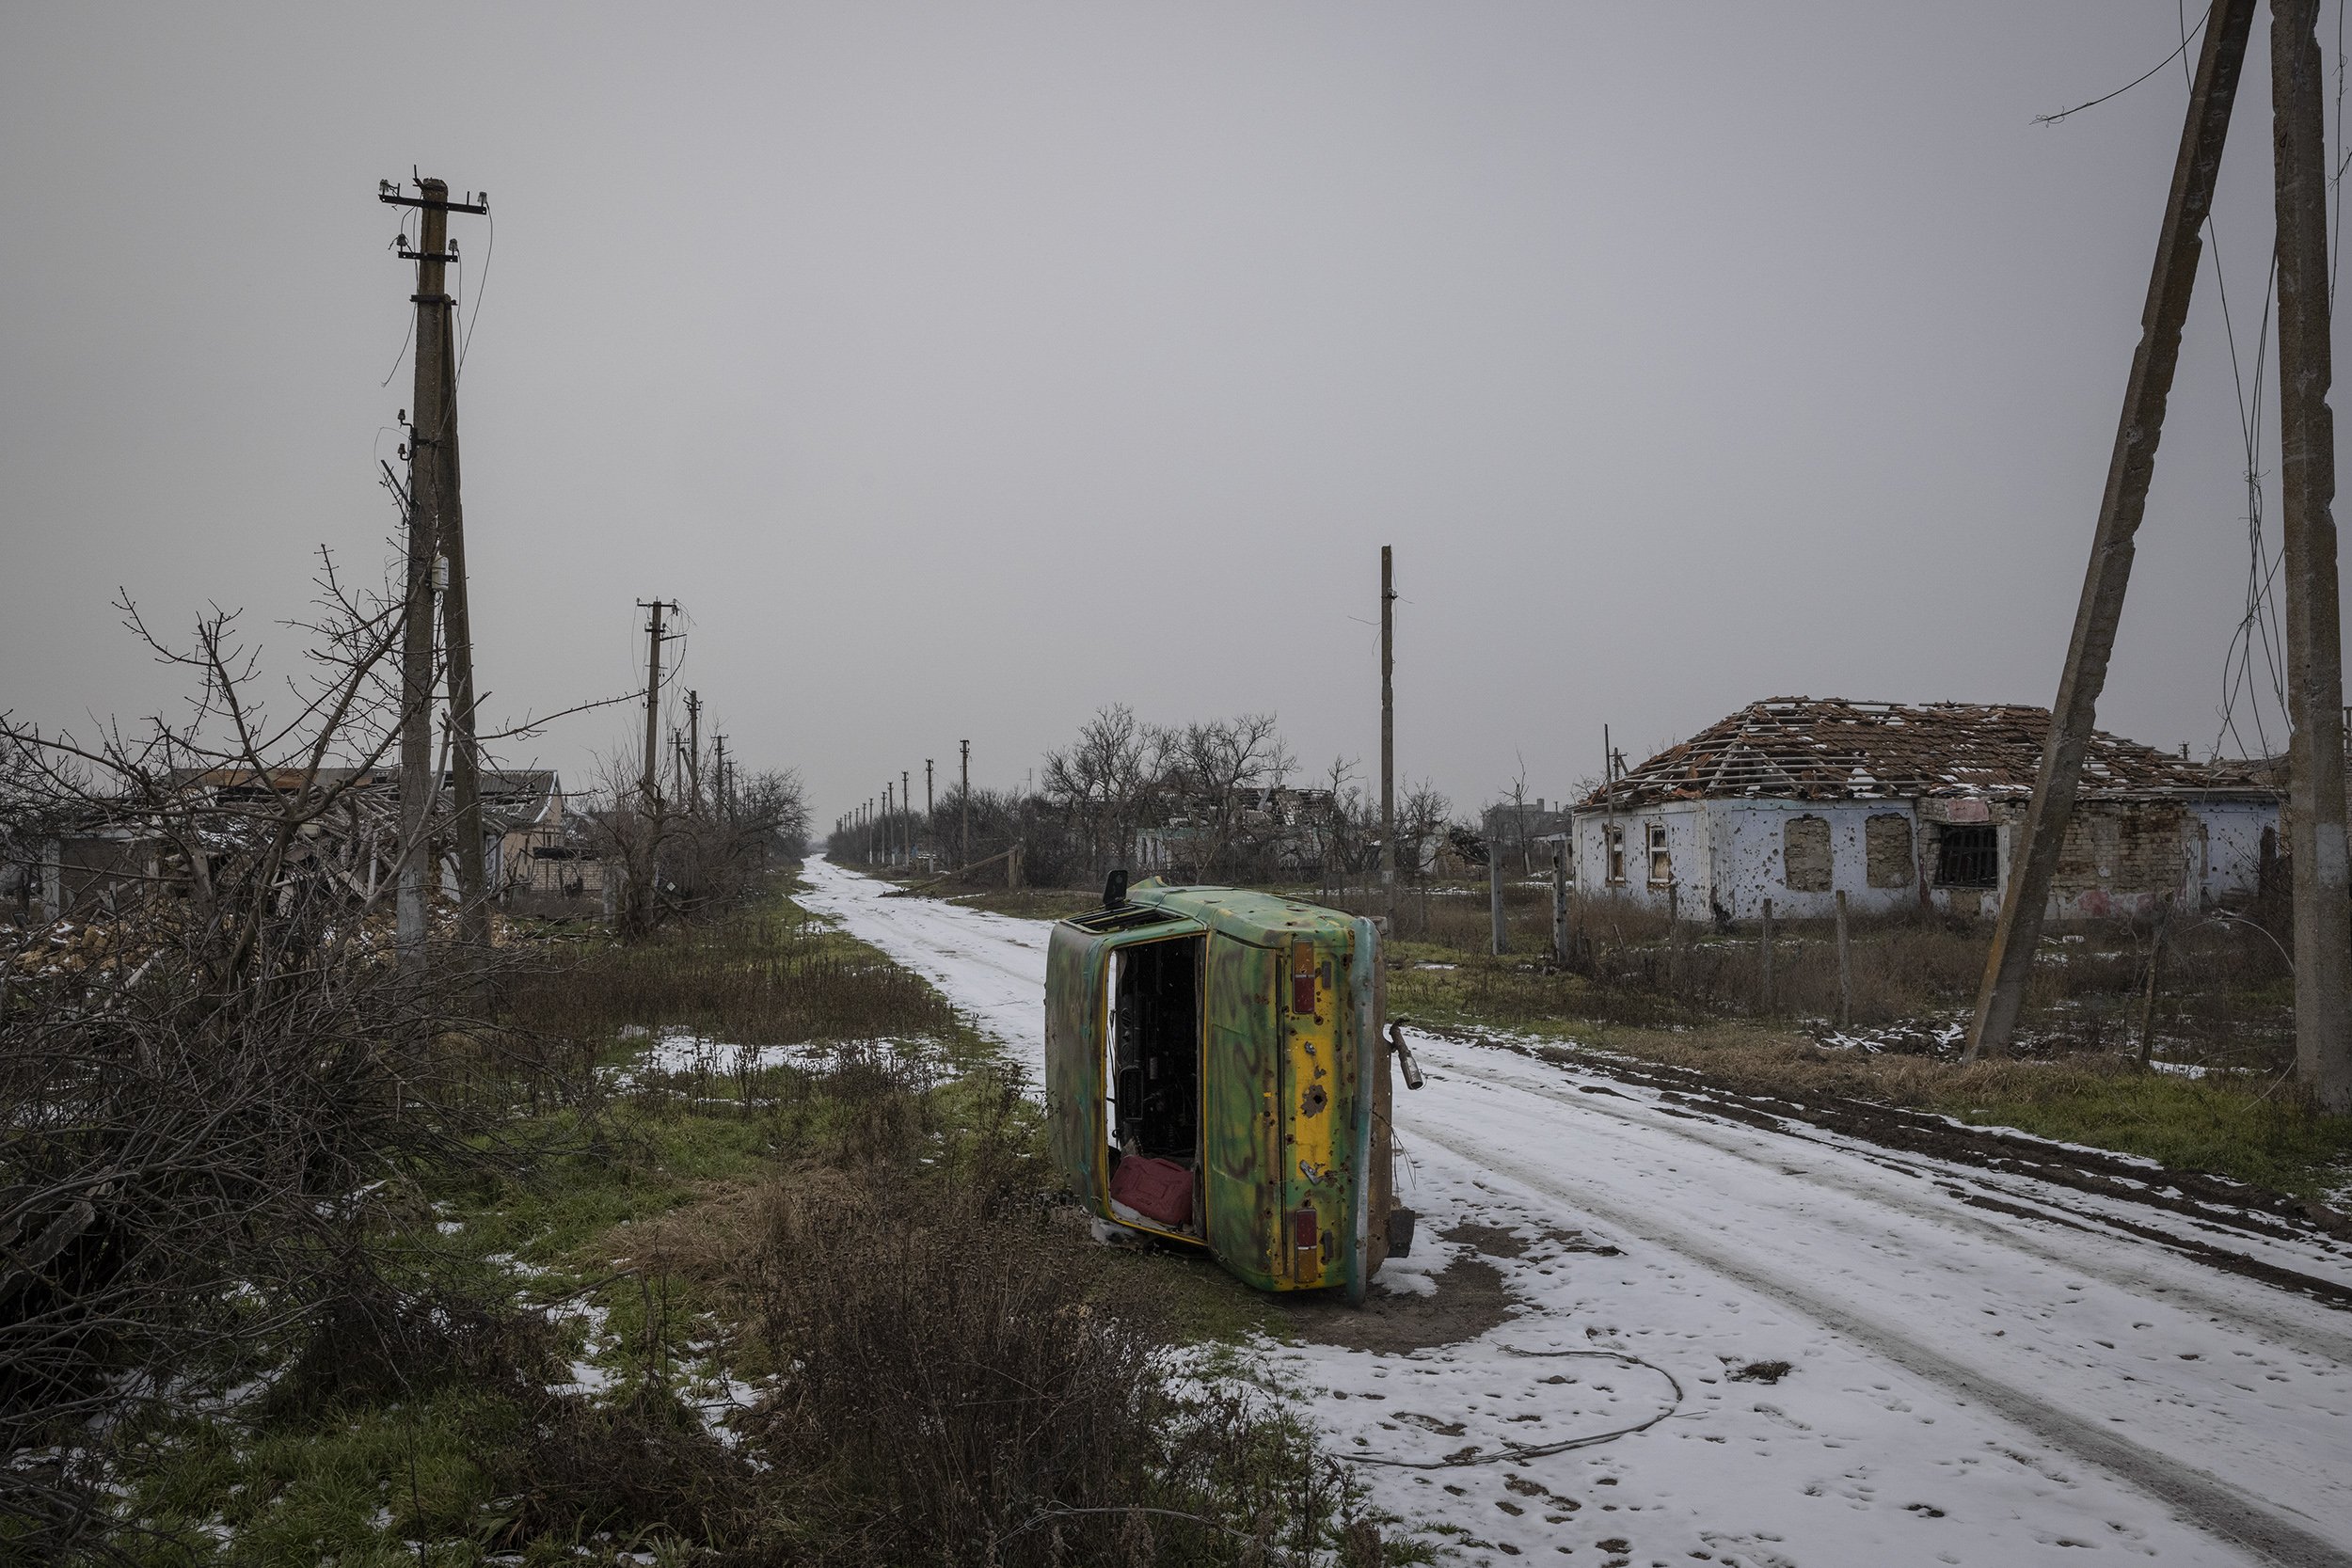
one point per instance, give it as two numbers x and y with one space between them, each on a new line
1968 857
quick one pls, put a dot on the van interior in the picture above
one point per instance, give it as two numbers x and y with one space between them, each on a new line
1151 1082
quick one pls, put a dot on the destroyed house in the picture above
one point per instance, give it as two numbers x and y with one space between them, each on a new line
120 852
1797 800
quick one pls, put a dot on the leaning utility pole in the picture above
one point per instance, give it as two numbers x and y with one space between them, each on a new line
967 801
465 755
2314 632
650 786
432 507
1388 733
2072 716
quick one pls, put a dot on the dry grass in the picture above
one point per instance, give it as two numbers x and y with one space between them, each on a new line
765 976
1695 996
2223 994
956 1373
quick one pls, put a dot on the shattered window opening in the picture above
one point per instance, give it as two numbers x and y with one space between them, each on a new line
1968 857
1886 849
1615 835
1661 865
1804 854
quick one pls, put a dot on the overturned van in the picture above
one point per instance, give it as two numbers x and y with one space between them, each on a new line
1216 1074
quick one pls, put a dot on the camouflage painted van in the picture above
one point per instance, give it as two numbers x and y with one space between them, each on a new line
1217 1075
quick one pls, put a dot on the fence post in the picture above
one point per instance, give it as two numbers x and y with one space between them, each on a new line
1845 969
1494 896
1012 866
1766 954
2148 1003
1560 903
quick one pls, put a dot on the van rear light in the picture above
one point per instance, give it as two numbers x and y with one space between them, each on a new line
1306 1228
1302 979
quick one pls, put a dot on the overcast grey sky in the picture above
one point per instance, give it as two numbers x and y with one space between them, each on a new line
963 367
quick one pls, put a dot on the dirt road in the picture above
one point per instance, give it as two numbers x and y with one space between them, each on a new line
1983 1365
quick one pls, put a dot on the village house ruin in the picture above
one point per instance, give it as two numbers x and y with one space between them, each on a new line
1797 800
116 853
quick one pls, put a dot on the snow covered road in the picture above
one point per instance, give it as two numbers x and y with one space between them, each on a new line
1984 1368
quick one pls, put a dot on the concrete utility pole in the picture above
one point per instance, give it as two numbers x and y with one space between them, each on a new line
930 806
967 801
906 816
464 773
1388 733
890 815
694 751
724 798
2170 284
2314 632
650 786
432 501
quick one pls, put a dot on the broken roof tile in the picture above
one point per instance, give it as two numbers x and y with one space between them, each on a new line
1807 747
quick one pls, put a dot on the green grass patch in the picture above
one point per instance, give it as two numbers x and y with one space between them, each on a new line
2227 1126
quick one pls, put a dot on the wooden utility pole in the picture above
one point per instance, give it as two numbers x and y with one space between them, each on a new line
967 801
650 786
432 475
694 751
1764 955
930 805
2170 284
1388 733
2314 631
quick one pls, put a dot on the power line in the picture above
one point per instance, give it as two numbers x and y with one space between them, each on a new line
2179 53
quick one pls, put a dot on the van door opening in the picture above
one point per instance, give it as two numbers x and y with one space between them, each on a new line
1151 1082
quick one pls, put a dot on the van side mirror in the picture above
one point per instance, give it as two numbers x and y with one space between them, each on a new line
1404 1055
1115 889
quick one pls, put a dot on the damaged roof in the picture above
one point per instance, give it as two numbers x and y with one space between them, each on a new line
1828 748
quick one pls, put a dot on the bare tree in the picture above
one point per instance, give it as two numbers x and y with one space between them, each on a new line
1103 781
1424 816
1213 771
1338 828
214 1069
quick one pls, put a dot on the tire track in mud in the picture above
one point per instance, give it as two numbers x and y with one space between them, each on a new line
2205 1500
2317 1341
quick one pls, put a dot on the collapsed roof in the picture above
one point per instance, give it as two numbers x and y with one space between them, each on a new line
1828 748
